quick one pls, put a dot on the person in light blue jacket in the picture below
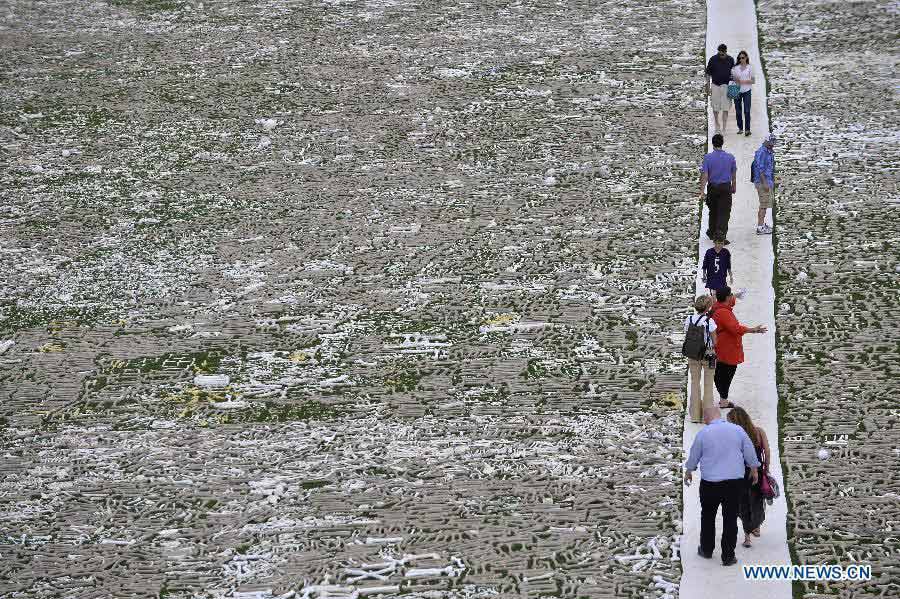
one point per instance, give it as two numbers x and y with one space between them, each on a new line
762 173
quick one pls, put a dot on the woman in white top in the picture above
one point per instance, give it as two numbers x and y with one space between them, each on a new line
742 74
705 368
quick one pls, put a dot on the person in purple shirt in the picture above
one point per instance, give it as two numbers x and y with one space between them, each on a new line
716 265
718 182
721 450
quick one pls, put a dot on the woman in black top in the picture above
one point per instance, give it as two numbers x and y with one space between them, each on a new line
752 509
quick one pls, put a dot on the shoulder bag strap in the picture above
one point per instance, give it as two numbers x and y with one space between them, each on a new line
762 450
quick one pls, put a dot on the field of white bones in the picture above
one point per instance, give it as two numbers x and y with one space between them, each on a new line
347 298
834 101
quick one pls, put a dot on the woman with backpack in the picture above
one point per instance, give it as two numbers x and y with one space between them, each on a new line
700 338
752 509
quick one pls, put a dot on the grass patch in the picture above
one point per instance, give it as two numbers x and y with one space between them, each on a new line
387 322
270 412
402 380
200 406
534 370
14 318
632 337
148 5
115 373
205 362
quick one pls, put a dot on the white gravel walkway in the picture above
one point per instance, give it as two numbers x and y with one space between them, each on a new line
733 22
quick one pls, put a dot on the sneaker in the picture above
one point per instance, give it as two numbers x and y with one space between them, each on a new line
764 230
740 131
702 554
747 132
729 562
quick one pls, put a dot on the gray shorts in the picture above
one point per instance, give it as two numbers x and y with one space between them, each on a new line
718 97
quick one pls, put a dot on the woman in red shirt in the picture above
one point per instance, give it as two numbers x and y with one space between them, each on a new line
729 347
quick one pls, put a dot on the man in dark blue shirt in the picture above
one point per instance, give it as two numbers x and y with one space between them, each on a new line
718 69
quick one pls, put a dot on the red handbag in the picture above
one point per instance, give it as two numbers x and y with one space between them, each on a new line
765 489
768 486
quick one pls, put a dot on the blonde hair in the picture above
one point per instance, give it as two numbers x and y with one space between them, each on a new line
702 304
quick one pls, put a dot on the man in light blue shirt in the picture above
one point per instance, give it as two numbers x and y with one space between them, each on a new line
762 174
722 450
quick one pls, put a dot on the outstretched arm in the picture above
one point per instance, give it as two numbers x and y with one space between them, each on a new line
729 323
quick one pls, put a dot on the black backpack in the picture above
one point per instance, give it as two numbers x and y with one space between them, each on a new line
694 345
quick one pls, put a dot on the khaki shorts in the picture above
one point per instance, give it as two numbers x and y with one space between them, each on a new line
718 97
765 197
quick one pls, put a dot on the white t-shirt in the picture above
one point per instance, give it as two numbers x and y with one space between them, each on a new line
700 319
742 72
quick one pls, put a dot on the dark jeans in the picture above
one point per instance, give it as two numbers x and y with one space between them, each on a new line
726 493
723 376
718 200
743 99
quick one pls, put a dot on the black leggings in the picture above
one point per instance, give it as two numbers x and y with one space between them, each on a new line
723 377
